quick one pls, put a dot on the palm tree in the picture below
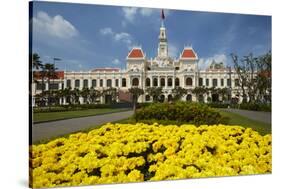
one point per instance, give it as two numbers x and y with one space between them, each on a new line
36 62
136 92
155 92
178 92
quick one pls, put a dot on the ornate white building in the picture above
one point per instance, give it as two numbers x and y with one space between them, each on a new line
161 71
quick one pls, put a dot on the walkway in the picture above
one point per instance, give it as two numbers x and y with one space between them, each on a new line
254 115
42 131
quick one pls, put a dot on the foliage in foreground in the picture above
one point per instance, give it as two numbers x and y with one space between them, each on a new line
131 153
181 112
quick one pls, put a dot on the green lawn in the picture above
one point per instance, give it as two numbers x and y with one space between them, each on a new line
52 116
235 119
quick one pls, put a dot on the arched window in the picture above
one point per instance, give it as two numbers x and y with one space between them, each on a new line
162 98
170 98
68 83
77 83
189 98
101 82
108 83
188 81
85 83
162 82
155 82
170 82
135 82
147 82
124 82
147 98
215 82
200 81
177 82
94 83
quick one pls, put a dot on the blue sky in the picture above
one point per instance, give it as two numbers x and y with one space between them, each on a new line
92 36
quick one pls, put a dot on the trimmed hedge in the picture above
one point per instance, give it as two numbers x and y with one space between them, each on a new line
244 106
180 112
74 107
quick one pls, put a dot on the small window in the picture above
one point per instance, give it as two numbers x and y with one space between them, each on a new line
124 82
85 83
177 68
135 82
109 83
147 98
200 81
188 81
116 82
222 82
177 82
236 82
94 83
77 83
68 83
170 82
215 82
101 82
207 82
155 82
162 82
147 82
228 82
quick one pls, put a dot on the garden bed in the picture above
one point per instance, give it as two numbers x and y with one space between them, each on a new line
118 153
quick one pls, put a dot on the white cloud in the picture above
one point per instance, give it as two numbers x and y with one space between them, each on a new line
146 11
106 31
122 36
116 61
129 13
205 62
55 26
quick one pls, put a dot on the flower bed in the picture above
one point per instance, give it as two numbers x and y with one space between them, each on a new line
132 153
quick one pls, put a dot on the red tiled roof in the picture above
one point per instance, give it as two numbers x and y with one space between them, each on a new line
136 53
58 75
106 70
188 53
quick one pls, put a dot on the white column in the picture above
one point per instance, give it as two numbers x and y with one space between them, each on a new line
72 84
81 84
89 83
173 82
158 81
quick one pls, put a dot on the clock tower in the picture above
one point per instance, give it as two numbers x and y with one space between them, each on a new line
163 43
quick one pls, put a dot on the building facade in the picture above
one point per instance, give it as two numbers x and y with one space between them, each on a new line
160 71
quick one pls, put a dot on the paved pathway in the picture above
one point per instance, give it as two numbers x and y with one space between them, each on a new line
48 130
255 115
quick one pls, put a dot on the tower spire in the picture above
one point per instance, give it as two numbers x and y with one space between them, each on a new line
163 44
162 18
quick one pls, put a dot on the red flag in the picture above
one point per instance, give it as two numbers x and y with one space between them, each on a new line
162 15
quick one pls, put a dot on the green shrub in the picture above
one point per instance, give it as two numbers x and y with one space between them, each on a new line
180 112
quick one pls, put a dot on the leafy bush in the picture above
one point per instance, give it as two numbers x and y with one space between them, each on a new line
180 112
